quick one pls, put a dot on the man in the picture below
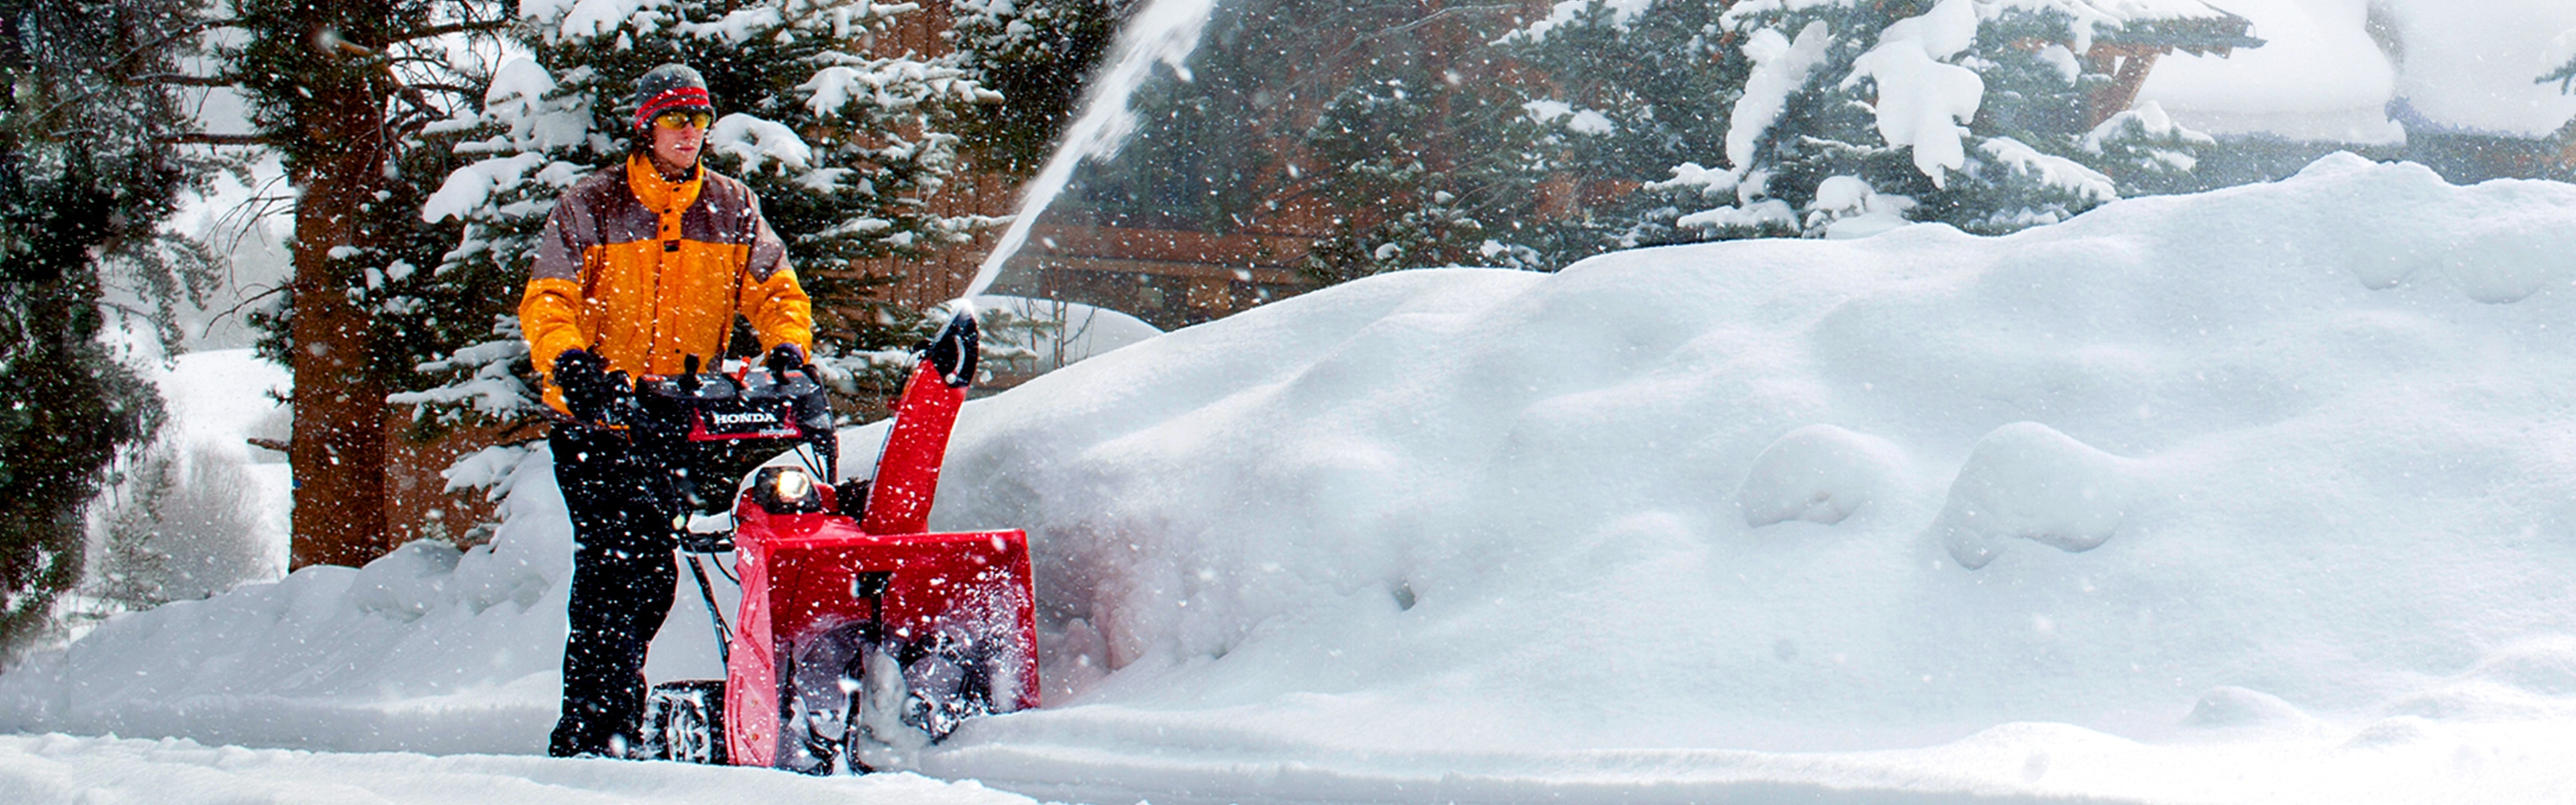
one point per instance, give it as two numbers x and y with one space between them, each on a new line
640 270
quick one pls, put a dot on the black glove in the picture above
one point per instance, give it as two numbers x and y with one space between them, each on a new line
787 355
587 389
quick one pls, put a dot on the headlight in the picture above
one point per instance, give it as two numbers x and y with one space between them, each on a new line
786 490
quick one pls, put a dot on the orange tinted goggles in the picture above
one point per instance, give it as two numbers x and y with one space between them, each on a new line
684 120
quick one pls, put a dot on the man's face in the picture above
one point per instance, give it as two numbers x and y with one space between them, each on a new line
677 148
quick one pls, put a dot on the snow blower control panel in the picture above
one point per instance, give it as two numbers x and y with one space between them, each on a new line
712 427
714 406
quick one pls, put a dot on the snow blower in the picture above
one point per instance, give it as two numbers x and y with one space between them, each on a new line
861 637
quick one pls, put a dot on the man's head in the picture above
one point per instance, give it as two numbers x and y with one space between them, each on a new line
672 111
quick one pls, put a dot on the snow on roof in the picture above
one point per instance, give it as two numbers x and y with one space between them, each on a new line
2136 10
2321 76
2189 25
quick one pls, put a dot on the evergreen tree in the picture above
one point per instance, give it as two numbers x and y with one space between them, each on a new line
183 531
1847 117
841 145
1427 167
2145 152
1038 54
88 170
1401 116
132 567
345 92
1662 80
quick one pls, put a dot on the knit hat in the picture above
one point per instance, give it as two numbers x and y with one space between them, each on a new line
670 87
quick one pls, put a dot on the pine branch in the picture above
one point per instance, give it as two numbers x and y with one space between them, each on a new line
181 80
452 89
2565 75
140 50
183 33
1364 39
435 31
202 138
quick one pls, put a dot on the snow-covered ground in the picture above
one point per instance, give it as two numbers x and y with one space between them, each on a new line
59 768
2261 495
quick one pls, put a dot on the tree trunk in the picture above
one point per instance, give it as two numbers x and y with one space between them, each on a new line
338 451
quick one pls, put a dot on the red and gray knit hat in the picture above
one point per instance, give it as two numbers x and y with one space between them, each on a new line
670 87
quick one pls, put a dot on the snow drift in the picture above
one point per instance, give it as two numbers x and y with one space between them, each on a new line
2258 492
2299 443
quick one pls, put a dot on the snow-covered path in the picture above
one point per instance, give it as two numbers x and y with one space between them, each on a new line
51 769
2414 762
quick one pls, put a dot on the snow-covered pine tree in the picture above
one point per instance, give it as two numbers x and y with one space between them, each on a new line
89 168
1429 158
130 566
1852 116
2145 152
1634 89
183 531
1881 95
841 143
1038 54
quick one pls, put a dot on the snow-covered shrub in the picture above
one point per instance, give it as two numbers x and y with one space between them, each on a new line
180 529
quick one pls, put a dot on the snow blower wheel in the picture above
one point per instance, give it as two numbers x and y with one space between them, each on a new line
836 692
684 721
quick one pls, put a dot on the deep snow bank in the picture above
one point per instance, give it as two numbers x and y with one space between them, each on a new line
2308 440
2280 470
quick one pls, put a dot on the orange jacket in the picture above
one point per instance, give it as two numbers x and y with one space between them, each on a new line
645 272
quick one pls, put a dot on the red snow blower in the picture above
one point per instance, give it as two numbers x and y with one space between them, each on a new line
860 636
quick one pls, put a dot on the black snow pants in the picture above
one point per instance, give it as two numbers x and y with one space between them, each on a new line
622 581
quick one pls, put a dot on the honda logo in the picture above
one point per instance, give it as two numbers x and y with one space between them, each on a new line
745 418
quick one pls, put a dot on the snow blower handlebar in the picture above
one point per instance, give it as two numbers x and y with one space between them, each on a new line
758 405
705 430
